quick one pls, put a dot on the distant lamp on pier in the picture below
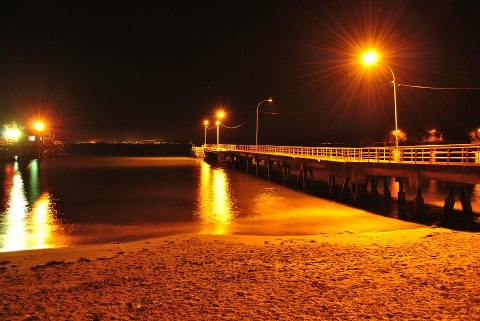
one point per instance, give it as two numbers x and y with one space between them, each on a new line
269 100
370 58
39 125
12 133
205 123
220 115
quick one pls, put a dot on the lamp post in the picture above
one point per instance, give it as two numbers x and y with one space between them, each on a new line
394 104
256 131
220 115
371 58
218 131
205 122
39 127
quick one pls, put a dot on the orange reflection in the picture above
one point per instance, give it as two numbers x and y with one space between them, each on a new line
14 220
267 200
215 206
22 228
42 222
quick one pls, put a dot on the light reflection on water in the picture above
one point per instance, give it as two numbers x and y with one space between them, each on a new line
27 224
215 204
121 198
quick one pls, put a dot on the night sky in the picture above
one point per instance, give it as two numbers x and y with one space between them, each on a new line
113 71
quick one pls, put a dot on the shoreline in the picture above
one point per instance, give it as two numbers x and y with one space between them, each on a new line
68 254
416 273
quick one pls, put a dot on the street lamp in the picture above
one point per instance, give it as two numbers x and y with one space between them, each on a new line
256 131
39 125
220 115
370 58
12 133
205 122
218 131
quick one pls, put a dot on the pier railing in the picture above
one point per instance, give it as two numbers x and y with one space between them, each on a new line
458 154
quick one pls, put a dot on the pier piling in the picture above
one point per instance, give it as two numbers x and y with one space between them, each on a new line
466 204
401 197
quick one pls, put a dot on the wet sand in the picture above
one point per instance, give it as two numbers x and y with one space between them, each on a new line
409 273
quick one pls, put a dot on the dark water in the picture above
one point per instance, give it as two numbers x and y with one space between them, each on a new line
79 199
86 199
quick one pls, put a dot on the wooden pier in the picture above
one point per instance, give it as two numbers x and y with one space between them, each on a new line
357 170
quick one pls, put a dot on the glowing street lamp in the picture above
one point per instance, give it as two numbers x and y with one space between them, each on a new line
220 115
12 133
205 122
256 131
39 126
218 131
370 58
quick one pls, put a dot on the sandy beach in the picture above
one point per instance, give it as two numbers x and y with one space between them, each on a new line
414 273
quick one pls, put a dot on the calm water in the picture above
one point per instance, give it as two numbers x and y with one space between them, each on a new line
87 199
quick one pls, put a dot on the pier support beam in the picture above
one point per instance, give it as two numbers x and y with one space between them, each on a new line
248 163
418 203
359 194
449 204
464 200
303 175
401 197
466 204
373 187
269 165
387 196
331 186
304 178
285 172
346 190
229 159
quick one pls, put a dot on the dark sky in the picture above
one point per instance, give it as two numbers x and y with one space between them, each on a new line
106 70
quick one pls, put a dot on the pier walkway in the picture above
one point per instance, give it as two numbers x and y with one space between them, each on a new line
450 155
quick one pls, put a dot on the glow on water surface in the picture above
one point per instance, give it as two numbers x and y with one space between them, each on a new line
84 199
27 224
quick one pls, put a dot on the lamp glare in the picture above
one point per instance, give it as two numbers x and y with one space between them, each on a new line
370 58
